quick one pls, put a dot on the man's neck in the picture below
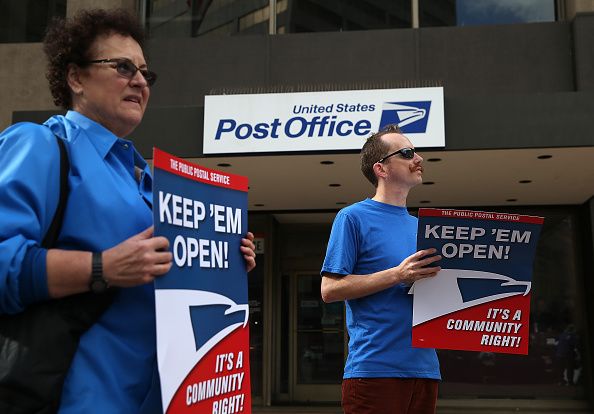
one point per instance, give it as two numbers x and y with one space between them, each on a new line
395 197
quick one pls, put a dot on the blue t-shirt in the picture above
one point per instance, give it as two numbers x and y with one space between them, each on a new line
114 368
368 237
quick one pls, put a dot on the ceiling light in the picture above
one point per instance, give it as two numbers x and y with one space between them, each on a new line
434 159
341 203
424 201
525 181
258 205
428 182
223 164
511 199
544 157
326 162
334 185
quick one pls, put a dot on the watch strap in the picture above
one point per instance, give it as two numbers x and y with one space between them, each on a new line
98 283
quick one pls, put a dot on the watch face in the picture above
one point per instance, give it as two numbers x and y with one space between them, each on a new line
98 286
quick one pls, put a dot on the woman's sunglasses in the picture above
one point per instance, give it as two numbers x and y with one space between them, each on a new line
127 69
408 153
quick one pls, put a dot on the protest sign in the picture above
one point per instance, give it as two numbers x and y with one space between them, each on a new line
480 300
201 303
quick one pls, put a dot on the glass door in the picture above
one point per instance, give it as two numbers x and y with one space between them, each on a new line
318 342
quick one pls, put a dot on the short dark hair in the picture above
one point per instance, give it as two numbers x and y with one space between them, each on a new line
68 41
375 149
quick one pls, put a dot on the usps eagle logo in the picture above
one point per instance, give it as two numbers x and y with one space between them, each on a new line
205 369
465 289
411 117
472 310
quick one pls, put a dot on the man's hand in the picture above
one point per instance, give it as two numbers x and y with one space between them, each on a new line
248 249
345 287
413 267
137 260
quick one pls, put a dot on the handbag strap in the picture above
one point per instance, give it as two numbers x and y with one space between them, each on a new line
56 225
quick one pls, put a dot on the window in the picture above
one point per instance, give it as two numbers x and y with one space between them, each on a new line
26 20
472 12
348 15
170 18
183 18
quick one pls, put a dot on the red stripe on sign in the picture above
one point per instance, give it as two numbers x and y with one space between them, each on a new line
191 171
479 215
220 383
501 326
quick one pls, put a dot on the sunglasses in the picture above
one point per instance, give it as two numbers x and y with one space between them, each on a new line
408 153
127 69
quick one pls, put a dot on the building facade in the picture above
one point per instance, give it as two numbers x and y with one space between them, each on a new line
518 85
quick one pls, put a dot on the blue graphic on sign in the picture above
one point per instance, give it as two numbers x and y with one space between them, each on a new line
208 320
478 288
411 117
204 259
488 246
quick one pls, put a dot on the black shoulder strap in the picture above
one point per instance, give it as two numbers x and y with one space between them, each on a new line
54 229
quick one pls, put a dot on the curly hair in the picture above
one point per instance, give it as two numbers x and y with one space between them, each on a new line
374 149
68 41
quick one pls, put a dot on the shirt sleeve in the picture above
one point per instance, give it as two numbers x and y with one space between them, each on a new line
341 254
29 187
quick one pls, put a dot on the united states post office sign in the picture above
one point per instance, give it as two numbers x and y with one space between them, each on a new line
320 121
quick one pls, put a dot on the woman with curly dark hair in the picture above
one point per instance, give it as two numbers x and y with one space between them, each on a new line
105 246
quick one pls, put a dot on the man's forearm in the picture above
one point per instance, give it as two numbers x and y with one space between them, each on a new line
337 287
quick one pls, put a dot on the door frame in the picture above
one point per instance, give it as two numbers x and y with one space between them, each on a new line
304 392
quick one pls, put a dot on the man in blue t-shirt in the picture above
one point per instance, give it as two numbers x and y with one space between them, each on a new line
370 263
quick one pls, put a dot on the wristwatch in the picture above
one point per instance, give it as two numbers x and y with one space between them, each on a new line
98 283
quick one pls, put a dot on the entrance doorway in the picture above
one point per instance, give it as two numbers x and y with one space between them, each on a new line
317 345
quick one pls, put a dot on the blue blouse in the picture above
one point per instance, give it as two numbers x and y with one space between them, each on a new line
114 369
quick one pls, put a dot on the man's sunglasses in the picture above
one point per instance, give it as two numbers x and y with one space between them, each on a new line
408 153
127 69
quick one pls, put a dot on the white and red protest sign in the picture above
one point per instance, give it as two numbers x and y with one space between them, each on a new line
202 303
480 300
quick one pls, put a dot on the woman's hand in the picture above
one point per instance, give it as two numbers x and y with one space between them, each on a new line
249 251
137 260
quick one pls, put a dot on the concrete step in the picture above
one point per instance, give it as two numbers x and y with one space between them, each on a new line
477 406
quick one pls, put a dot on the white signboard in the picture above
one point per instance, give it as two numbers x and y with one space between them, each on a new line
320 121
